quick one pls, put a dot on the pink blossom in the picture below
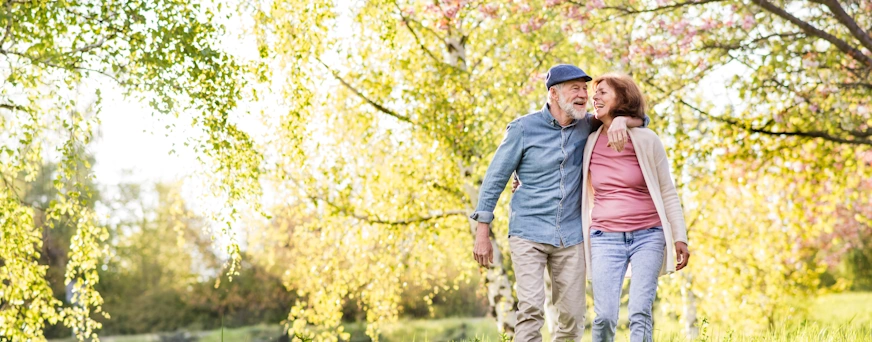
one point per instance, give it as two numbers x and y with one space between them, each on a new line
678 28
708 25
532 25
490 10
595 4
683 24
685 42
813 108
545 47
443 24
451 12
551 3
573 12
601 48
748 22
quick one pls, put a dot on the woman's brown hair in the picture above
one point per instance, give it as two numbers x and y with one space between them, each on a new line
628 96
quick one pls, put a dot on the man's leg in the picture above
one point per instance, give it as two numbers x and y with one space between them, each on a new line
647 258
608 263
528 261
566 267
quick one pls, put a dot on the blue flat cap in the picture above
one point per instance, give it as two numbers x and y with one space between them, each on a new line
564 72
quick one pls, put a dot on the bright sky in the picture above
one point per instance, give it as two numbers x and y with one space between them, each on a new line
132 141
135 145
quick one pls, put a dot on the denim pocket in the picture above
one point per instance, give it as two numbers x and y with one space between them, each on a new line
577 152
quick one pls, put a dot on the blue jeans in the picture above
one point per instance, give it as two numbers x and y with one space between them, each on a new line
611 253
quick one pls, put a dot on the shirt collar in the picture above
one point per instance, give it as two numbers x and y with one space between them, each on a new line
546 115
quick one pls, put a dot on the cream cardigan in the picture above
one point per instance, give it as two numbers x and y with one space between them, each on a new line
655 170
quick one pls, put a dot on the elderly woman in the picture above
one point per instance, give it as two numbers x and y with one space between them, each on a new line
631 213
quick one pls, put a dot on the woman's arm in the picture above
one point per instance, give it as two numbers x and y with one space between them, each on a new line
672 205
617 132
669 195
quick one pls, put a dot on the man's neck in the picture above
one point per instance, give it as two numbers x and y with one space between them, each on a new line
562 117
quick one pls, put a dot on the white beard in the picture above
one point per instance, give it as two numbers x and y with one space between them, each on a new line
569 108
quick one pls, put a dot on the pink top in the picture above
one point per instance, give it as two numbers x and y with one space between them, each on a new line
621 202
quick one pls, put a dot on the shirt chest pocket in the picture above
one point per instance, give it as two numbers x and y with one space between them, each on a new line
576 152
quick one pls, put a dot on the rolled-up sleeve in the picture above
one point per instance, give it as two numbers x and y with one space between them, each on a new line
504 163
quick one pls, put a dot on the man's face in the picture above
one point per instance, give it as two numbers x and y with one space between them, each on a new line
572 98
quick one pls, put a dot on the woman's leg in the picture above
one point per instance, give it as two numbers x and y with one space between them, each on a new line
646 258
609 256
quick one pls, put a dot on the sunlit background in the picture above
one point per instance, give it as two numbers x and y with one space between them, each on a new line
303 170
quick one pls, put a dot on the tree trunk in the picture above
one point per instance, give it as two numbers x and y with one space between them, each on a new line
691 330
499 290
500 297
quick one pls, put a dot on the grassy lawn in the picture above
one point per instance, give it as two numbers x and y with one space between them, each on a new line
853 308
836 317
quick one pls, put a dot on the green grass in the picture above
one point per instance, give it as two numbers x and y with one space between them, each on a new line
851 307
261 332
836 317
430 330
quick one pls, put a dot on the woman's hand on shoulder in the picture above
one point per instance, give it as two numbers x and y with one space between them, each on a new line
618 135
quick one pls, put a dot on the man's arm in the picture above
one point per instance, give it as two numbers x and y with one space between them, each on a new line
617 133
505 162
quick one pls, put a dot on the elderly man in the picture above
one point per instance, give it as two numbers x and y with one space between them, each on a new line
544 149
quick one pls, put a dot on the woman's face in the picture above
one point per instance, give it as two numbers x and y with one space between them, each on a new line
603 99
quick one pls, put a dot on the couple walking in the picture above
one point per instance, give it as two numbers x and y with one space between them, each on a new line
590 194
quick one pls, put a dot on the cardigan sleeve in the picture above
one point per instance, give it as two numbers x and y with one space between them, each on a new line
671 203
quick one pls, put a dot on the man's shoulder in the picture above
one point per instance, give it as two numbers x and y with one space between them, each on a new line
527 118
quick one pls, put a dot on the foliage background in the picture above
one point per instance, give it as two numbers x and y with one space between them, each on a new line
340 145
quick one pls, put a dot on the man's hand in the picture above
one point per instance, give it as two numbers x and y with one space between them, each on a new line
618 135
483 251
681 255
515 183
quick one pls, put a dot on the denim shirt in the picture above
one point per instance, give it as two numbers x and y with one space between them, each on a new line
547 159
